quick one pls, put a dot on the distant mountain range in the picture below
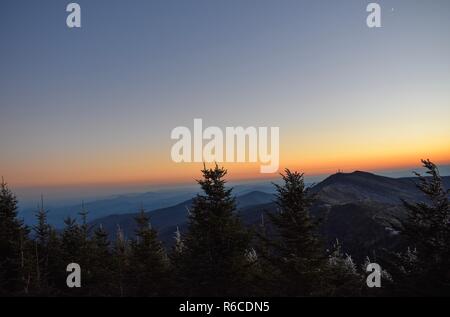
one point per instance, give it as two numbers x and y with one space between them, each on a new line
354 208
131 203
167 219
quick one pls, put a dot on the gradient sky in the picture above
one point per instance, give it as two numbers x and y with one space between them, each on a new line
97 104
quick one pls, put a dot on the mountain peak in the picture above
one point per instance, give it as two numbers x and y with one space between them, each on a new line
341 176
357 172
364 186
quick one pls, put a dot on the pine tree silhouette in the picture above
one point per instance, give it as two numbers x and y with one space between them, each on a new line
296 256
424 269
121 264
15 259
41 244
148 260
342 277
101 264
214 261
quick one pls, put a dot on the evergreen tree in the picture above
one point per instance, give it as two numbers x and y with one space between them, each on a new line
149 263
179 244
42 228
296 255
342 276
264 275
424 269
14 246
87 252
176 260
121 264
214 261
73 251
72 241
101 263
56 267
84 227
101 242
49 270
41 243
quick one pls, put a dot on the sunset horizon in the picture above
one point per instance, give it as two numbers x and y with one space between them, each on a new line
225 154
107 115
175 175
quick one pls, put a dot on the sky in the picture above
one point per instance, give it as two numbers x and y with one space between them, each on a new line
95 106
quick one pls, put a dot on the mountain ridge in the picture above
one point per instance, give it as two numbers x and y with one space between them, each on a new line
351 203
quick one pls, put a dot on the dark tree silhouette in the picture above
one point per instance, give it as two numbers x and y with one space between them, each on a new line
49 268
41 243
148 260
214 259
101 263
424 269
297 257
121 264
15 259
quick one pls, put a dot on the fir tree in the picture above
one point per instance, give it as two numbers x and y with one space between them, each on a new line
179 244
41 246
101 264
342 276
84 227
74 251
49 269
215 247
56 267
121 263
424 269
42 228
72 241
14 246
101 242
149 262
176 260
296 254
87 252
264 275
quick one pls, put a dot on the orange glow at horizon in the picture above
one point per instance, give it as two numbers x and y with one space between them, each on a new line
164 172
313 151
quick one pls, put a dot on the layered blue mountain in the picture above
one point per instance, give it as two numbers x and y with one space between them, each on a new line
130 203
355 208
